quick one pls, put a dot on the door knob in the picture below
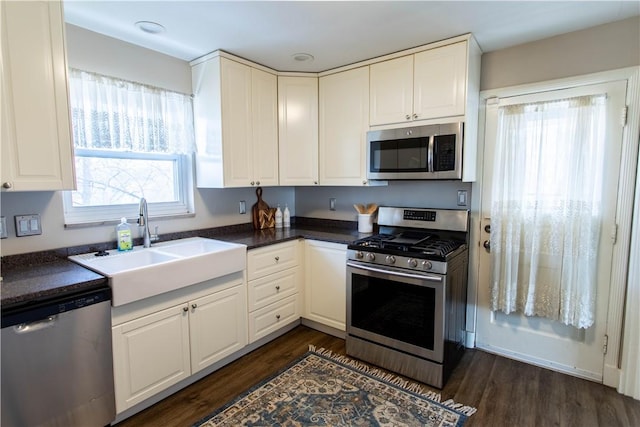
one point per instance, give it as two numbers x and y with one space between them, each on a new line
487 245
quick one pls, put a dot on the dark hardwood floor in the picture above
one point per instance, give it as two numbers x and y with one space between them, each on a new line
506 392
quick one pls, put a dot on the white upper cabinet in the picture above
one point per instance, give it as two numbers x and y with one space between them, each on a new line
392 91
235 110
344 122
37 149
298 130
439 84
426 85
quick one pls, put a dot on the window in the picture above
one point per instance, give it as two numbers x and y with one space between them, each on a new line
131 141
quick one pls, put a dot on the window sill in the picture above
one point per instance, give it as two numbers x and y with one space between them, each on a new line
116 222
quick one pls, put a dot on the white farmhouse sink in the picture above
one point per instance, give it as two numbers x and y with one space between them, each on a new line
164 267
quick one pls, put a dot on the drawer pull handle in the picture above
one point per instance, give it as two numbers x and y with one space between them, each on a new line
277 258
277 287
278 316
185 309
194 306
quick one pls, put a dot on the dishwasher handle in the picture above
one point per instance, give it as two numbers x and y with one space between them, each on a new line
25 328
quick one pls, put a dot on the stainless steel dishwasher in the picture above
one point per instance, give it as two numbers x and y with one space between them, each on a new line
57 365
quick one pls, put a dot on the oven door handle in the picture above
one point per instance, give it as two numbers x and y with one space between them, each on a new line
396 273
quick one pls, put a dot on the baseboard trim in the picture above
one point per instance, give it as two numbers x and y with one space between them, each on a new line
569 370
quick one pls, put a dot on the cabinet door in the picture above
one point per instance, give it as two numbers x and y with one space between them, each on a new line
218 326
264 98
344 122
37 149
298 130
150 354
237 135
440 82
391 91
326 283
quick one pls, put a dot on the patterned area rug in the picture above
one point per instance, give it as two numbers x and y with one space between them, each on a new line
324 389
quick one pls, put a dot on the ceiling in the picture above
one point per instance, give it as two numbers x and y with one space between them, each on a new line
336 33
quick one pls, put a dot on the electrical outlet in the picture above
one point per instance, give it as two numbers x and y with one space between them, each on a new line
462 197
243 207
332 204
28 225
3 228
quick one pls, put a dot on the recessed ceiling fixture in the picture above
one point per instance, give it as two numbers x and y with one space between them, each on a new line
302 57
150 27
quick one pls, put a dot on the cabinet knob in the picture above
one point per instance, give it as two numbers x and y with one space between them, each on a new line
408 117
194 306
277 287
277 258
278 316
253 183
185 309
415 116
257 182
6 185
315 182
364 182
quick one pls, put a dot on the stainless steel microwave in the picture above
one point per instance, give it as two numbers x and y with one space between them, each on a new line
422 152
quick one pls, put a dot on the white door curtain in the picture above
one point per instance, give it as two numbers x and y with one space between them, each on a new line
545 214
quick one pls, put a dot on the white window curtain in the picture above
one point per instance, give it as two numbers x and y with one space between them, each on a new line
112 114
545 215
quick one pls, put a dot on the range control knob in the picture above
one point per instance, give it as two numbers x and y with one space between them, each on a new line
359 255
390 259
371 256
412 263
427 265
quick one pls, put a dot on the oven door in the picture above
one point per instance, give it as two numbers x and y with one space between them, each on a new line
397 308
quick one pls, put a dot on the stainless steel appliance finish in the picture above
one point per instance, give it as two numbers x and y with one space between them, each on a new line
57 364
406 293
421 152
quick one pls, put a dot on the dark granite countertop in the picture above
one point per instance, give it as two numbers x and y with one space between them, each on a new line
30 278
34 283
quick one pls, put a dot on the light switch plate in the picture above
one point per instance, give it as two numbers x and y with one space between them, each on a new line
462 197
28 225
243 207
332 204
3 228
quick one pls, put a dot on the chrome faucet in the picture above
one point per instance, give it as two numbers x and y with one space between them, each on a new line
143 221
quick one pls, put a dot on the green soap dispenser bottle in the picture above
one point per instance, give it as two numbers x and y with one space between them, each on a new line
123 235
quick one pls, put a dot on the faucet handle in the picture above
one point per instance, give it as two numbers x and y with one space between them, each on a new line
154 237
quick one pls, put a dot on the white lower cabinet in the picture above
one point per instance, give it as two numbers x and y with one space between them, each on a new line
156 347
325 283
274 276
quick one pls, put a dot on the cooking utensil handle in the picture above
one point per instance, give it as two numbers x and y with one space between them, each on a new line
396 273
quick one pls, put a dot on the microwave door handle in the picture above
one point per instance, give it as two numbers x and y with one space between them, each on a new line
430 153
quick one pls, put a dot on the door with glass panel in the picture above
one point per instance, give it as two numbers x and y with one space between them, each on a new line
548 209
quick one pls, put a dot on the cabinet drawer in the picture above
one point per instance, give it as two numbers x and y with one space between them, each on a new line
271 259
269 289
273 317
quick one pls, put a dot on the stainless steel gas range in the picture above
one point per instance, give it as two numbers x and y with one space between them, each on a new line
406 293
